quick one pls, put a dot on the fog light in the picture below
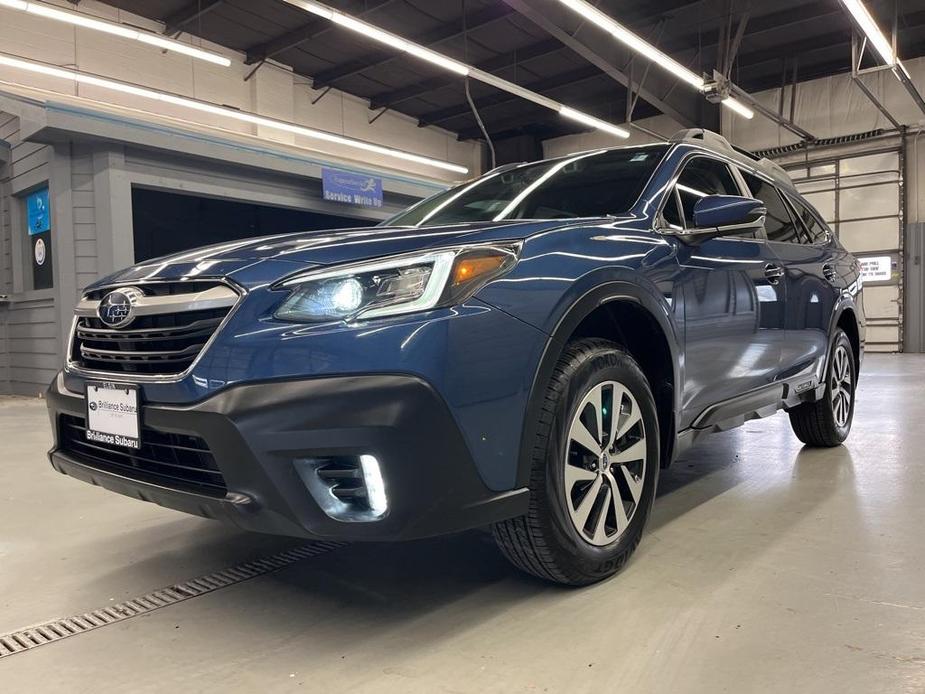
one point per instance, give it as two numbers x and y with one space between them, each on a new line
375 488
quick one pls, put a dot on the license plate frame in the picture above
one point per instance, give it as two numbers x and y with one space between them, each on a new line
113 414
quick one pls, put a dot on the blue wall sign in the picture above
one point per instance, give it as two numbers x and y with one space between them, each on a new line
38 212
352 188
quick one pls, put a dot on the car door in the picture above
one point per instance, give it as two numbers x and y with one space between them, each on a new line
809 273
732 311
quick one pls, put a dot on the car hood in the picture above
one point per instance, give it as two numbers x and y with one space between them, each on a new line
269 258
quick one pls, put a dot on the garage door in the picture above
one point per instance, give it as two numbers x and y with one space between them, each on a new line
858 189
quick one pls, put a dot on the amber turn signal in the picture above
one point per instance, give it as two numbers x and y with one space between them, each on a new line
468 269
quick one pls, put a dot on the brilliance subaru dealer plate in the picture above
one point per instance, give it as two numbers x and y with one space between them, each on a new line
113 415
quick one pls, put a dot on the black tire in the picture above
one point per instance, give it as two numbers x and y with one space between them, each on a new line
545 542
815 423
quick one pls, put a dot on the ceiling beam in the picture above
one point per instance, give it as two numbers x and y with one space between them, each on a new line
437 35
771 80
586 72
687 115
306 32
814 44
758 24
801 47
538 118
174 23
543 47
396 96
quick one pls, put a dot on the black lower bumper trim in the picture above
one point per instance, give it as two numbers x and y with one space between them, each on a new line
255 433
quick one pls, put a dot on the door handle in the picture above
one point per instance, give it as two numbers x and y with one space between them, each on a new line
773 273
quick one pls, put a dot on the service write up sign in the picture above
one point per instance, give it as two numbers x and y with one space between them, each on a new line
112 414
351 188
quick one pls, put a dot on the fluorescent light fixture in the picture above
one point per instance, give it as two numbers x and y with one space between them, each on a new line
87 22
871 30
625 36
646 49
398 43
738 107
234 114
569 112
381 35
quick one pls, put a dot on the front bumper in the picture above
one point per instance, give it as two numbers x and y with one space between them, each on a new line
256 433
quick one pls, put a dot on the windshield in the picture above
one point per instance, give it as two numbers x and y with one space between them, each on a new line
592 184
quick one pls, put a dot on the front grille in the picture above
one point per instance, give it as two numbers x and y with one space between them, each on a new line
163 344
156 343
177 461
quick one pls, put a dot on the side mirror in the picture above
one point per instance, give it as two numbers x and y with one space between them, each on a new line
727 210
723 215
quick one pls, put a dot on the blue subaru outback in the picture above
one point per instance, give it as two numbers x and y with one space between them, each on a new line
522 352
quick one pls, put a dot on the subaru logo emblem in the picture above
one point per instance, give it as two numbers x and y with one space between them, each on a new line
116 310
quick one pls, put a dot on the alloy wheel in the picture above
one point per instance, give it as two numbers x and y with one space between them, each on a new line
840 386
605 463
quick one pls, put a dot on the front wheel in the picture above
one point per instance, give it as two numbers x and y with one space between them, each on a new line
827 421
595 467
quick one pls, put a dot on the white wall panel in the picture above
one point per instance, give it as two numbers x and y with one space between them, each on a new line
823 185
880 161
822 170
868 201
870 235
824 202
883 333
882 301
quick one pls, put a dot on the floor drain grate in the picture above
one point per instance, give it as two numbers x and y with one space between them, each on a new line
26 639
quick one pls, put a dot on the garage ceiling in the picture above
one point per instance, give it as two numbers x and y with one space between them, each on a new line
540 45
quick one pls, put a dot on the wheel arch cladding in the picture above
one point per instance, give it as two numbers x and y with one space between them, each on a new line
848 322
609 313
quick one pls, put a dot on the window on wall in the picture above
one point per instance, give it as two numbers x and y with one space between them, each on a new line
779 224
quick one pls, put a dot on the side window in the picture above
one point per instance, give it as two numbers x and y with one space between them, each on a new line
703 176
671 212
817 232
779 224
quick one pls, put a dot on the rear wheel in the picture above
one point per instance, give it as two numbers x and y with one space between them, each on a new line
595 466
827 421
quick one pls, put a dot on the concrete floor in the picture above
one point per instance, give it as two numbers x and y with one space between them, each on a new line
766 568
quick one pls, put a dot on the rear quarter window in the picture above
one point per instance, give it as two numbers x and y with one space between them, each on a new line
779 224
817 231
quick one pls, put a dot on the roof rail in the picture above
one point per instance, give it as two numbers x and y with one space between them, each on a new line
703 136
774 170
505 167
716 141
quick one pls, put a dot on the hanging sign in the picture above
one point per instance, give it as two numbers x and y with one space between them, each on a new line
351 188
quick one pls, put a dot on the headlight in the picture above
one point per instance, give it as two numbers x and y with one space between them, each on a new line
396 285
